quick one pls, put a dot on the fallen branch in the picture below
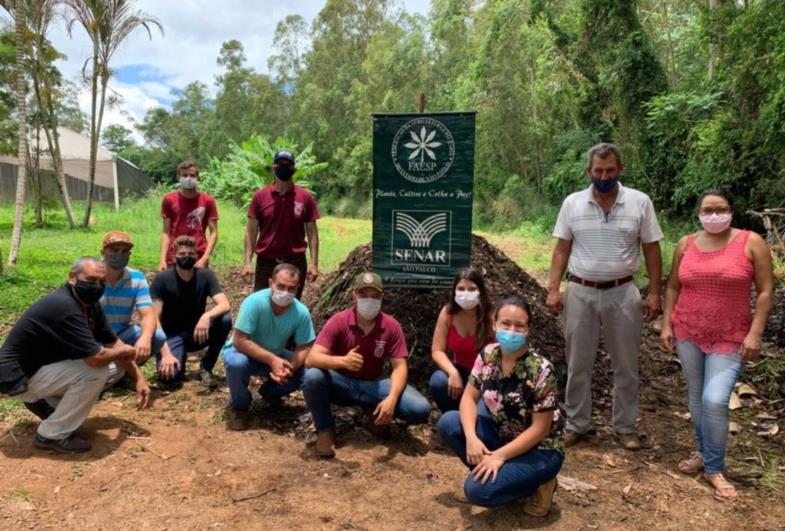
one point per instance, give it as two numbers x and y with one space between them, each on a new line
148 449
254 496
10 432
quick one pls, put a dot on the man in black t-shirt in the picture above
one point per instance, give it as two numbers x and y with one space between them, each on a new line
180 297
56 358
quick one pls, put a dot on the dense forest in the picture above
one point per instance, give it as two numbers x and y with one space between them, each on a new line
692 90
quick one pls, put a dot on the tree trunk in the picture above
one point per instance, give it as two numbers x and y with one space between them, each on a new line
47 109
34 165
714 51
93 139
21 174
671 52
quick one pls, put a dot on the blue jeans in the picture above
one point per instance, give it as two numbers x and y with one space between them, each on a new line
518 477
240 368
131 334
182 343
322 388
710 380
440 391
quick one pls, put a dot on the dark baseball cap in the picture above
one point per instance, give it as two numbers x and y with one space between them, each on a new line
283 155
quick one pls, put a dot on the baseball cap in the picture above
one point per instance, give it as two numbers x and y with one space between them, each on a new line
116 236
368 280
283 155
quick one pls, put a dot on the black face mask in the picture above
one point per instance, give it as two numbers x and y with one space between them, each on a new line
89 292
284 173
185 262
117 261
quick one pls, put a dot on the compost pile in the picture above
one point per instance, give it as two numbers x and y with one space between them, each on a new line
417 309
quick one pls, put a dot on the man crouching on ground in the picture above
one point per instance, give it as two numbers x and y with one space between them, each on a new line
56 358
346 362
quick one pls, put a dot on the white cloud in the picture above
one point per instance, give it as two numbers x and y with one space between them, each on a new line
193 33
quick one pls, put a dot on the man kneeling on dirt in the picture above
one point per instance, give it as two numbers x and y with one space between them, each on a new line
346 362
267 319
180 301
56 358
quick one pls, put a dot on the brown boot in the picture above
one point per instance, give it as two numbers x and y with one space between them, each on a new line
571 438
630 441
325 444
237 420
539 504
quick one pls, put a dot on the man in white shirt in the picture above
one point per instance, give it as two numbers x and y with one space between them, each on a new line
600 232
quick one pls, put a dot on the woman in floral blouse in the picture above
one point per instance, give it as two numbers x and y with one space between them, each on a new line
508 429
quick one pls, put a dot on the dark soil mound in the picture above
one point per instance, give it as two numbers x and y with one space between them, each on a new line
417 309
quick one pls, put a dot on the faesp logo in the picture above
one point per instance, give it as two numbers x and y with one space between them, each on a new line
421 238
423 150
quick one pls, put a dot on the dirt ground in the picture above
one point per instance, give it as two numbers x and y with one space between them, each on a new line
175 466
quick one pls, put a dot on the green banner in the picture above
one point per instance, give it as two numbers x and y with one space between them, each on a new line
423 179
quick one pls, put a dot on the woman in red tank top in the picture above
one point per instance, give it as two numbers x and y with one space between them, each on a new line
463 328
707 319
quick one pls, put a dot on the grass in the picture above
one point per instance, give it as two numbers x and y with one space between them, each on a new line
47 252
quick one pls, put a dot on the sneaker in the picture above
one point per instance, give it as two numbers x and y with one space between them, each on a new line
629 441
571 438
325 444
208 380
539 504
238 420
40 408
70 445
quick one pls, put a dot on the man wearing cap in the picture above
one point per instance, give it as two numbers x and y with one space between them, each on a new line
188 212
600 232
56 358
127 290
346 362
280 217
267 319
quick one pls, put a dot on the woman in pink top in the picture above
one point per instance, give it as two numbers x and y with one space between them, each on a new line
463 328
707 317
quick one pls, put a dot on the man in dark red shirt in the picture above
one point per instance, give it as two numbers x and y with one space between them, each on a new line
188 212
279 218
345 365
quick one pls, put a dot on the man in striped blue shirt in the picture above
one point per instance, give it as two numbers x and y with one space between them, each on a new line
127 290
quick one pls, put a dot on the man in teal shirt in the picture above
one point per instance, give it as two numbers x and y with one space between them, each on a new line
267 319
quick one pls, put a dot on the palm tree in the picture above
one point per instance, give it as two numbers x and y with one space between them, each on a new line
21 113
45 79
107 23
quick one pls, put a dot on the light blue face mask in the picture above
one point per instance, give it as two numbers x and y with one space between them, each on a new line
510 341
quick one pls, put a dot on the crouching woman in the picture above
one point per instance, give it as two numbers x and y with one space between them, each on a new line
508 429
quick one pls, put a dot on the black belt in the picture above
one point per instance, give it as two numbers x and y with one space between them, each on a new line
608 284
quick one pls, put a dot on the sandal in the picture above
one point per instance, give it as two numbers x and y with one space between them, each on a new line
724 491
691 465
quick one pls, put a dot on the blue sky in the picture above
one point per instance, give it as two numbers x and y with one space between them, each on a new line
147 70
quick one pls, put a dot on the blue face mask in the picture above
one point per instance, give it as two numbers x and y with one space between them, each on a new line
605 186
510 341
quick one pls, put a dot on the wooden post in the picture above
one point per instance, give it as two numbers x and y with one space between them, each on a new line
422 102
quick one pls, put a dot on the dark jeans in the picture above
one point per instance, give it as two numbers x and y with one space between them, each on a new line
322 388
265 266
518 477
440 391
182 343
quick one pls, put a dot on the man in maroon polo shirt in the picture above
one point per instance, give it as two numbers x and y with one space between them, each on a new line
279 218
345 366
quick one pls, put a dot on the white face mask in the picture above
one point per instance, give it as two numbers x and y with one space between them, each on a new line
188 183
467 299
281 298
715 223
369 308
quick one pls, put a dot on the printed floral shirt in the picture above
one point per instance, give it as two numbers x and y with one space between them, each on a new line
511 400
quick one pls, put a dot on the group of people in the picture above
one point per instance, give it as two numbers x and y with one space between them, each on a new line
497 394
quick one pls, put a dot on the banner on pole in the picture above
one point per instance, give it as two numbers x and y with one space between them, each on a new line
423 179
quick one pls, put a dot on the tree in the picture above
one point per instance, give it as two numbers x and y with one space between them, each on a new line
14 8
107 23
117 138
